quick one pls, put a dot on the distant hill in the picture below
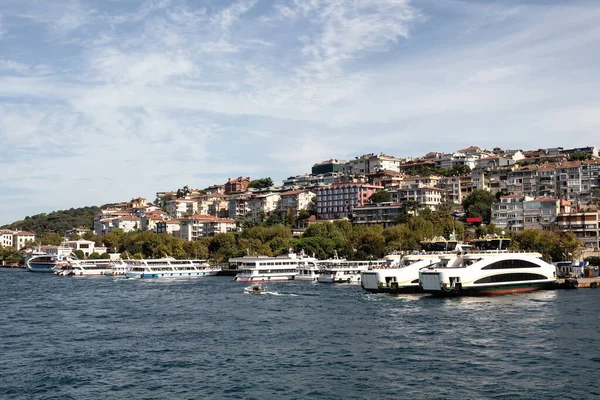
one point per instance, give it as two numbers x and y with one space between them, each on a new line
57 221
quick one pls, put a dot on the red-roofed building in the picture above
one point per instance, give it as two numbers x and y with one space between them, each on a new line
295 199
237 185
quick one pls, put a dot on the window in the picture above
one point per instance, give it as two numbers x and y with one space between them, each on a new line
516 277
508 264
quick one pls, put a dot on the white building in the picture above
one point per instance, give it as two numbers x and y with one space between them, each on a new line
128 223
263 205
371 163
199 226
178 208
428 196
508 214
6 238
295 199
22 238
170 226
86 246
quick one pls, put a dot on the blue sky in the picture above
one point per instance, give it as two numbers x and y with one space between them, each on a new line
105 100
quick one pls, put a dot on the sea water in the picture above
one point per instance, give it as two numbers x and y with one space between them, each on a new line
113 338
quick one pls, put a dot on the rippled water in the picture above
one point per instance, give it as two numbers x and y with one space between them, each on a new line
105 338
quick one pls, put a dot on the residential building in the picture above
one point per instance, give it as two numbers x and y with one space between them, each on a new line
178 208
239 206
328 166
199 226
128 223
340 199
457 187
540 213
237 185
170 226
377 213
370 163
508 213
568 180
262 205
86 246
295 200
313 181
426 196
214 204
426 180
522 181
22 238
215 189
77 231
387 178
6 238
584 224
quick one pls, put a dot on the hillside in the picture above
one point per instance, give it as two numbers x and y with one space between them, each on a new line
57 221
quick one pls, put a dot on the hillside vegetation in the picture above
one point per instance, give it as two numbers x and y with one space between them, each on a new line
57 221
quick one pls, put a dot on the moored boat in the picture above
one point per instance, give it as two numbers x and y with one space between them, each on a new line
489 270
169 268
263 268
402 276
343 271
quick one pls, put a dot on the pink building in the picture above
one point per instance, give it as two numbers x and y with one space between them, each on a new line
339 200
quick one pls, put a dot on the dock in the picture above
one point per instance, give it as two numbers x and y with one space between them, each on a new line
578 283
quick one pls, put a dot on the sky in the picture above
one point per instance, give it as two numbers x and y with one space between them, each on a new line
105 100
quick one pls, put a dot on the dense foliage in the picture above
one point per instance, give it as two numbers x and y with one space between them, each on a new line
479 204
262 183
57 221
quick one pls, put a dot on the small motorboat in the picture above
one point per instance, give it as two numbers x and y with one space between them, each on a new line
255 289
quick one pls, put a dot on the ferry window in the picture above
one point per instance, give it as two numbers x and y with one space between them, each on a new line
508 264
511 278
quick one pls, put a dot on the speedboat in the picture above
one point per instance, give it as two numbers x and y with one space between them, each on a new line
255 289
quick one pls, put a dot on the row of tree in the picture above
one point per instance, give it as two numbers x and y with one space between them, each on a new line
327 239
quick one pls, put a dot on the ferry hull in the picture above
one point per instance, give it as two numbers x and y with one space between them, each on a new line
395 290
47 268
493 290
263 279
170 275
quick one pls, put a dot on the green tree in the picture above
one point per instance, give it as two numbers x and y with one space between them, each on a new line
580 157
383 196
79 254
479 204
50 238
262 183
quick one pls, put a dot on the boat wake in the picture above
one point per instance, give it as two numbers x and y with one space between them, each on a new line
282 294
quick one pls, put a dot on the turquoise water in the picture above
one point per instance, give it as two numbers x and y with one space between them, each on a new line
106 338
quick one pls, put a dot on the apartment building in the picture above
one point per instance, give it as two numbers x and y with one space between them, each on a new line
540 213
170 226
263 204
339 200
296 200
428 196
184 207
370 163
584 224
199 226
508 213
239 206
456 187
237 185
377 213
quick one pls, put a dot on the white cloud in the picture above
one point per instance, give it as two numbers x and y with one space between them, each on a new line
169 93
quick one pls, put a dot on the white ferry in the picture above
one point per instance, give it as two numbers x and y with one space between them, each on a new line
169 268
100 267
343 271
489 270
402 276
308 271
263 268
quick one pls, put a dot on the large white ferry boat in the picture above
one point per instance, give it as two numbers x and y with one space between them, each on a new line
263 268
169 268
100 267
343 271
402 276
308 271
490 269
50 260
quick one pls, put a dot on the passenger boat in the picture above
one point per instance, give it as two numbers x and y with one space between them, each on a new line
41 261
263 268
343 271
490 269
47 263
255 289
169 268
100 267
308 271
402 276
